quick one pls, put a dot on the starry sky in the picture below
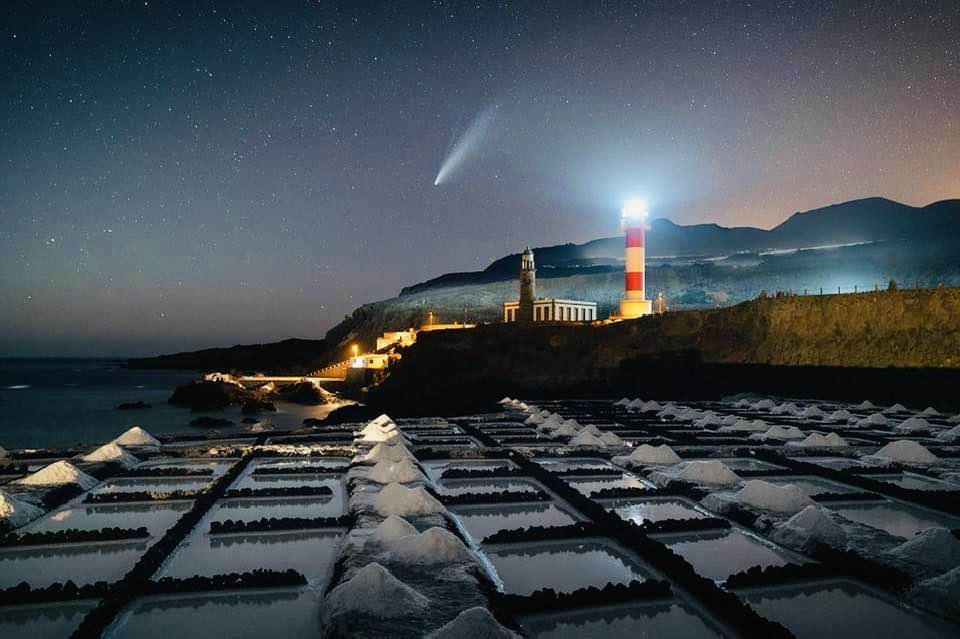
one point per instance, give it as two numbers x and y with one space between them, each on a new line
185 174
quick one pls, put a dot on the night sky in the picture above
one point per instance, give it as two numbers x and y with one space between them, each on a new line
185 174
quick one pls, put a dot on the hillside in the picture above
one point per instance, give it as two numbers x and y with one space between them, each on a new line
780 345
292 355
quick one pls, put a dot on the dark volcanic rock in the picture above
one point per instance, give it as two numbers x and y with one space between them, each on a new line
204 395
210 422
255 406
133 406
301 393
249 420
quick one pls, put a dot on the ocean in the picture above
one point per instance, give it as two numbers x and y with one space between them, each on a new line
63 402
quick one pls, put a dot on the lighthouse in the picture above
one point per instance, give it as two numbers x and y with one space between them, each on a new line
528 286
633 220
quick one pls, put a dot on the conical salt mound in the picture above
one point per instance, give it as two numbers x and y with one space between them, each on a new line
906 451
403 472
586 439
942 593
3 452
15 513
816 440
565 430
841 415
865 405
111 453
952 435
473 623
913 425
930 411
707 472
432 546
58 474
623 401
647 454
807 528
372 591
136 436
933 547
391 529
396 499
611 439
782 433
896 408
387 452
766 496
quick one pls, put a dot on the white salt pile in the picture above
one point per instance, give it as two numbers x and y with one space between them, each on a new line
593 430
136 436
811 412
382 420
766 496
586 439
781 433
534 419
396 499
391 529
403 472
387 452
742 403
111 453
636 405
261 427
669 412
842 415
565 430
809 527
646 454
745 425
913 425
729 419
942 593
876 419
505 400
58 474
374 591
896 408
933 547
816 440
473 623
3 452
712 473
865 405
904 451
763 404
432 546
688 415
954 420
786 408
15 513
951 435
651 407
611 439
708 419
623 401
930 411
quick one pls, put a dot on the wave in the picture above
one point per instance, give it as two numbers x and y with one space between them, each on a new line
17 387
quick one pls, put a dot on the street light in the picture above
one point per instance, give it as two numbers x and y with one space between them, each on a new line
355 349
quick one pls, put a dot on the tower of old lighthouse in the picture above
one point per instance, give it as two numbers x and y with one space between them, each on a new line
634 302
528 286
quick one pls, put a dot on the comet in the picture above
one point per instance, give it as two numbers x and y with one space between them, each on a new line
467 144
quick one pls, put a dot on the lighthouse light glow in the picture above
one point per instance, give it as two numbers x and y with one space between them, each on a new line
635 207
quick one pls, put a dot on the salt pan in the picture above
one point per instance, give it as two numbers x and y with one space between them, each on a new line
15 513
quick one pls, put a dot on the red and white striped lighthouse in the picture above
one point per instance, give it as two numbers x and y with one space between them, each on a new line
634 302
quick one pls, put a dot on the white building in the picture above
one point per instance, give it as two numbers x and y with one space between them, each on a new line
554 310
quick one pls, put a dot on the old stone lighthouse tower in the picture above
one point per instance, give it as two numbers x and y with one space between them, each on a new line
528 286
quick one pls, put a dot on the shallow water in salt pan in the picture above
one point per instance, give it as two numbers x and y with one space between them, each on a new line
256 482
895 518
564 566
460 486
717 555
237 615
152 484
483 521
641 511
311 553
435 468
843 609
667 620
43 621
276 507
157 517
912 481
590 485
811 486
84 564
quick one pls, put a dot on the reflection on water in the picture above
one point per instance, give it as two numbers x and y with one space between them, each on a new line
265 507
460 486
745 463
435 468
157 517
153 484
311 553
915 482
555 465
287 481
43 621
640 512
563 566
257 615
717 555
836 463
590 485
843 609
484 521
897 519
83 564
662 620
